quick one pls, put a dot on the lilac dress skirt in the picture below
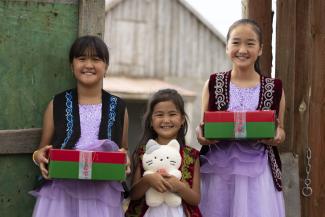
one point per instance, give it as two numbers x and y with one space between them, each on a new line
82 198
236 179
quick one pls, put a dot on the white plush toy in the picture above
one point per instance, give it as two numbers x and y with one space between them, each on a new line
162 158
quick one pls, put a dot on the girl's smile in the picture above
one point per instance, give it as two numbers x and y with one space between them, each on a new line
243 46
166 121
89 70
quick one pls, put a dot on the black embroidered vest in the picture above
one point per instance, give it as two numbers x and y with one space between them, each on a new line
269 99
67 120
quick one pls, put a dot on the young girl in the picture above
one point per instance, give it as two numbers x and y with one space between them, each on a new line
242 178
164 121
82 118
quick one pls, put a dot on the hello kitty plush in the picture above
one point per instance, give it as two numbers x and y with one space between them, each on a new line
162 158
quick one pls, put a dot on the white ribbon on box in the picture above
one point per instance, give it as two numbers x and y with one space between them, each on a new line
85 164
240 125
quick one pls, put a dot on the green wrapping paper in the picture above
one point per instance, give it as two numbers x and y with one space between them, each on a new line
239 125
75 164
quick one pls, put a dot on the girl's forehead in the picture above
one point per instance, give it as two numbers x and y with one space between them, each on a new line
243 31
165 105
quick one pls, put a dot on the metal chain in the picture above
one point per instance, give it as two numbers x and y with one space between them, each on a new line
307 190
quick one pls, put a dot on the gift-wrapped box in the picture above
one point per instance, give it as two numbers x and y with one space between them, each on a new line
94 165
239 125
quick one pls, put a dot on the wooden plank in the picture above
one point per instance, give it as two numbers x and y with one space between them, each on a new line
285 63
92 17
261 12
35 39
314 205
19 141
301 96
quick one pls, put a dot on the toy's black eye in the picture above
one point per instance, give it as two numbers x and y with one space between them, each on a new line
155 157
167 157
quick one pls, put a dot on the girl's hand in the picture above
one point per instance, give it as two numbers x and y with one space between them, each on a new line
278 139
279 136
158 182
128 164
41 158
200 138
175 184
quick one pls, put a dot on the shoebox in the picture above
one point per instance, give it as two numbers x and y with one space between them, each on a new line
239 125
93 165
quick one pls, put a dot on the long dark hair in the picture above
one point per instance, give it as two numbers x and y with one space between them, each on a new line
89 45
257 29
148 132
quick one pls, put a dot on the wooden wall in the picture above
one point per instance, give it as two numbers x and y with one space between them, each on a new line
34 44
161 38
300 63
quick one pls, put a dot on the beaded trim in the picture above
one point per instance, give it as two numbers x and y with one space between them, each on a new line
267 88
69 118
275 168
221 87
111 115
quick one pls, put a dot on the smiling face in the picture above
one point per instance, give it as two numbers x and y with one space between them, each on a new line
89 60
243 46
89 70
166 121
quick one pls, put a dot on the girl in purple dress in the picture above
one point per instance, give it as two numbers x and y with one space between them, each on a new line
84 118
242 178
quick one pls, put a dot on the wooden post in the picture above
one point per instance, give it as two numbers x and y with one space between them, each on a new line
285 64
300 64
314 205
261 12
92 17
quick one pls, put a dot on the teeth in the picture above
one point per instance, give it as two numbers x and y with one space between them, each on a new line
166 126
242 58
92 73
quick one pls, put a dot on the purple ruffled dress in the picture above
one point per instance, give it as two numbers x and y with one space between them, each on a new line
236 179
82 198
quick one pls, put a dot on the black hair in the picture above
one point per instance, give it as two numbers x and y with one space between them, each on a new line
162 96
89 46
257 29
148 132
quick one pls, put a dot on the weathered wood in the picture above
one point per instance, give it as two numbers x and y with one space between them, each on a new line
34 42
19 141
300 64
315 205
285 63
302 83
92 17
162 38
261 12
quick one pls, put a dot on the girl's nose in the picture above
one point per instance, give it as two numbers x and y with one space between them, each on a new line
242 49
89 63
166 119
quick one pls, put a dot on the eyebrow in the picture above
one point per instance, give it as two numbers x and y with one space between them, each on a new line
169 111
250 39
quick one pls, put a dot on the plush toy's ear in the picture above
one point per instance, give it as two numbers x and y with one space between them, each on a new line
151 146
174 144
